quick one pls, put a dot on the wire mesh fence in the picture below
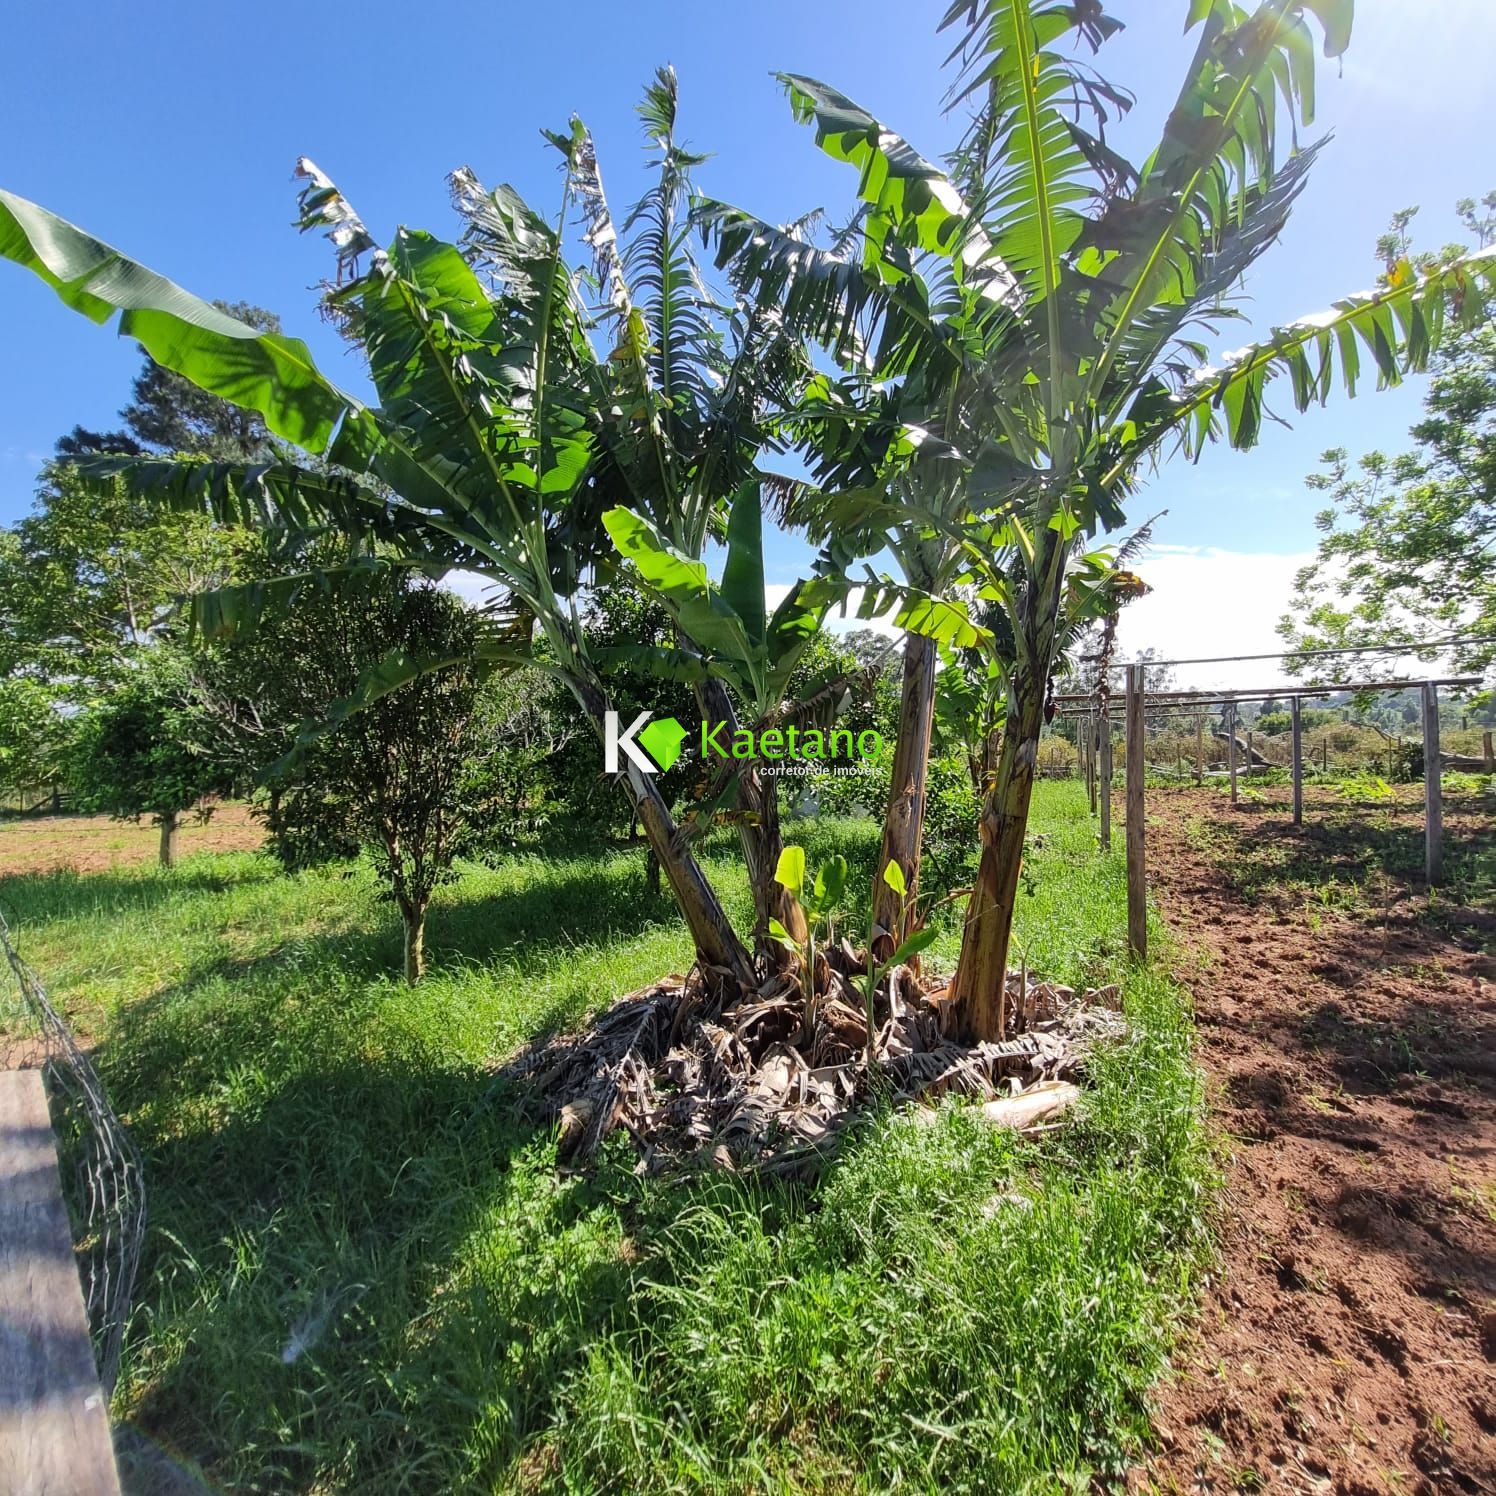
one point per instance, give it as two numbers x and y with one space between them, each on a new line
1199 751
1193 749
101 1170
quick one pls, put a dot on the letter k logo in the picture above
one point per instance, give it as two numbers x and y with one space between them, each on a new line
661 739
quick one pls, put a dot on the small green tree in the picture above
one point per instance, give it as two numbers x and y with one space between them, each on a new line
413 778
141 750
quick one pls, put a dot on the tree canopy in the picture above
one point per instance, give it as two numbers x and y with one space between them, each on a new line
1408 547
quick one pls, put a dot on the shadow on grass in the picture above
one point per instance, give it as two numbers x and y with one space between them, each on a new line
371 1238
40 898
234 1020
582 903
228 1013
362 1268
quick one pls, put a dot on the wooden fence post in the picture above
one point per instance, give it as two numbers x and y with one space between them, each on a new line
1231 748
1488 751
1433 804
1295 710
1106 779
1137 882
1091 760
1199 751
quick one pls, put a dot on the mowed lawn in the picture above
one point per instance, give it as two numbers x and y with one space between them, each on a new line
364 1272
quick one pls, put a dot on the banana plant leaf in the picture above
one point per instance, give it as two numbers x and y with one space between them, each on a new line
261 371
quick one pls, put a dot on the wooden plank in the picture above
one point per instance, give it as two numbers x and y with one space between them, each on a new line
1296 710
1433 790
1137 871
1106 781
54 1419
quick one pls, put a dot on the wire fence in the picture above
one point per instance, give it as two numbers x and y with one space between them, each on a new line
101 1171
1193 748
29 798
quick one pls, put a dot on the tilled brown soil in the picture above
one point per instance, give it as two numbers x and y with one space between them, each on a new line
1349 1040
91 844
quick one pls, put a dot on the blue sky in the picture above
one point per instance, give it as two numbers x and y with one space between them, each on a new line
169 128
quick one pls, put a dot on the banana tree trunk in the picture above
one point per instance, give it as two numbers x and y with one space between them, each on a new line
717 945
761 838
718 948
171 825
979 988
904 822
771 899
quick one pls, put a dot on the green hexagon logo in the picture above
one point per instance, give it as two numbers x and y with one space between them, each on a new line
663 740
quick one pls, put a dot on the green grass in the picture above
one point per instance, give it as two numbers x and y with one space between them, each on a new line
365 1274
1363 848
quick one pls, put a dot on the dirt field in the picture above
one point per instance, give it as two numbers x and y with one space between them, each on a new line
86 844
1348 1030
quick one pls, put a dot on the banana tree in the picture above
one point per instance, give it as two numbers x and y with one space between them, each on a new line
1110 369
1078 359
478 455
697 390
733 641
906 302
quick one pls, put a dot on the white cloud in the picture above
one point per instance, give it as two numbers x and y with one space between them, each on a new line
1207 602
